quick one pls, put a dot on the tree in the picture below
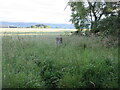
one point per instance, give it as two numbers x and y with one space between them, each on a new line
109 26
78 14
33 26
40 26
100 10
85 13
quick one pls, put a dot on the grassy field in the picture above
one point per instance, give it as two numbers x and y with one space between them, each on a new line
35 61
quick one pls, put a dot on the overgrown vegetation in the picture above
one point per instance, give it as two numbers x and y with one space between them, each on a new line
86 60
80 62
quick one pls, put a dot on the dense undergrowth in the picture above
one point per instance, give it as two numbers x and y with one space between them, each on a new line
80 62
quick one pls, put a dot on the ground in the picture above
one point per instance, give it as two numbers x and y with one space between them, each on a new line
35 61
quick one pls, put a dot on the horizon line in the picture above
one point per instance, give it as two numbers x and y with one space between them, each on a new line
33 22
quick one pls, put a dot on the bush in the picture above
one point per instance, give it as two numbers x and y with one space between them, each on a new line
108 26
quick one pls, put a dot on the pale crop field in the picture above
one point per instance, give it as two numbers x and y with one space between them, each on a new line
35 61
34 31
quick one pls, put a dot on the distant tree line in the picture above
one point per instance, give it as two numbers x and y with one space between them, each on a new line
39 26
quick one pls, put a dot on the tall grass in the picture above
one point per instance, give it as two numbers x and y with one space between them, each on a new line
80 62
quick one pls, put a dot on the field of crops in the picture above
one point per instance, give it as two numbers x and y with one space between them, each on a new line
35 61
34 31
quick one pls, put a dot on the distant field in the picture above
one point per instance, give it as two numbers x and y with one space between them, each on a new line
33 31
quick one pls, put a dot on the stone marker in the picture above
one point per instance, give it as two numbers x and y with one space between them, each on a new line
58 40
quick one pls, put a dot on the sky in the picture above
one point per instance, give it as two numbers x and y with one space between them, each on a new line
43 11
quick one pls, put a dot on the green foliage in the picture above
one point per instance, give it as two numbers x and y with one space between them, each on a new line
90 14
35 62
50 73
108 26
78 14
110 9
33 26
40 26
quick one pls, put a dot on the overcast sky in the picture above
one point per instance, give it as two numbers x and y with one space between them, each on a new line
44 11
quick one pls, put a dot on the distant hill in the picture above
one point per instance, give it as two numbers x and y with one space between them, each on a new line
25 24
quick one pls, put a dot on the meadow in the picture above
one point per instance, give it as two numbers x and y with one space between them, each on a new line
35 61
